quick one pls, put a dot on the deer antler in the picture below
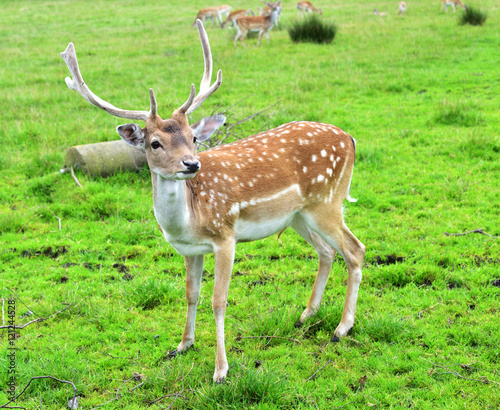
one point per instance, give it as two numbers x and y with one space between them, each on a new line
77 83
206 90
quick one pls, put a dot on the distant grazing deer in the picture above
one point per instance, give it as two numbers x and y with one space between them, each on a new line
378 13
215 14
453 3
231 19
262 24
305 7
402 7
296 175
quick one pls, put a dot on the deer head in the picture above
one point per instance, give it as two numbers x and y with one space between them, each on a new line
170 143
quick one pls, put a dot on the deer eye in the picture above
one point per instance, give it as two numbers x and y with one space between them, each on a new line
155 145
195 139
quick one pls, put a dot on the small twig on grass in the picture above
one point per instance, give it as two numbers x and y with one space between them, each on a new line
426 309
118 395
353 340
381 290
40 319
125 358
453 372
55 216
313 376
5 406
269 337
468 232
176 395
183 377
75 178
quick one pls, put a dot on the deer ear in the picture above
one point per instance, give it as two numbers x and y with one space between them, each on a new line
204 128
132 134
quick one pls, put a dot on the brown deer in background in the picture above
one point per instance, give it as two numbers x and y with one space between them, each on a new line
306 7
215 14
263 24
453 3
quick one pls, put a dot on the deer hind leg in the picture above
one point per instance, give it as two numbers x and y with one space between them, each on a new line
224 258
245 32
242 34
194 271
326 255
330 225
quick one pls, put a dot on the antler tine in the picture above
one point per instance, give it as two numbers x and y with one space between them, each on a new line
205 89
207 56
189 101
77 83
152 99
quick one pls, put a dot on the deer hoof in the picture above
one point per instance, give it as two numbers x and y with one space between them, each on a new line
298 324
219 379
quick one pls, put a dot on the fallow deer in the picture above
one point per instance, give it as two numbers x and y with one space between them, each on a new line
263 24
296 175
305 7
266 11
215 14
453 3
402 7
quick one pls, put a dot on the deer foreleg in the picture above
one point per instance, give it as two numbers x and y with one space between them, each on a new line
224 257
267 35
194 271
238 35
261 32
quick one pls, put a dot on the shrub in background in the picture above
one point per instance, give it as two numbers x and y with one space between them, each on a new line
473 16
313 30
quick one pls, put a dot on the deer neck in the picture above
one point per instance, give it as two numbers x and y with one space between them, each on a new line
171 204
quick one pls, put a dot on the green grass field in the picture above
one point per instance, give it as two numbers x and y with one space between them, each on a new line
419 92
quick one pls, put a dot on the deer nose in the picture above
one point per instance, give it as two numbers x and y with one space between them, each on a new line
192 166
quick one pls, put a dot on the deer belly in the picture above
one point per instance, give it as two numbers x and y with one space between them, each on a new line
187 247
191 249
247 230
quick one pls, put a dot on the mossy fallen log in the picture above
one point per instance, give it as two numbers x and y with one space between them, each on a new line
105 158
